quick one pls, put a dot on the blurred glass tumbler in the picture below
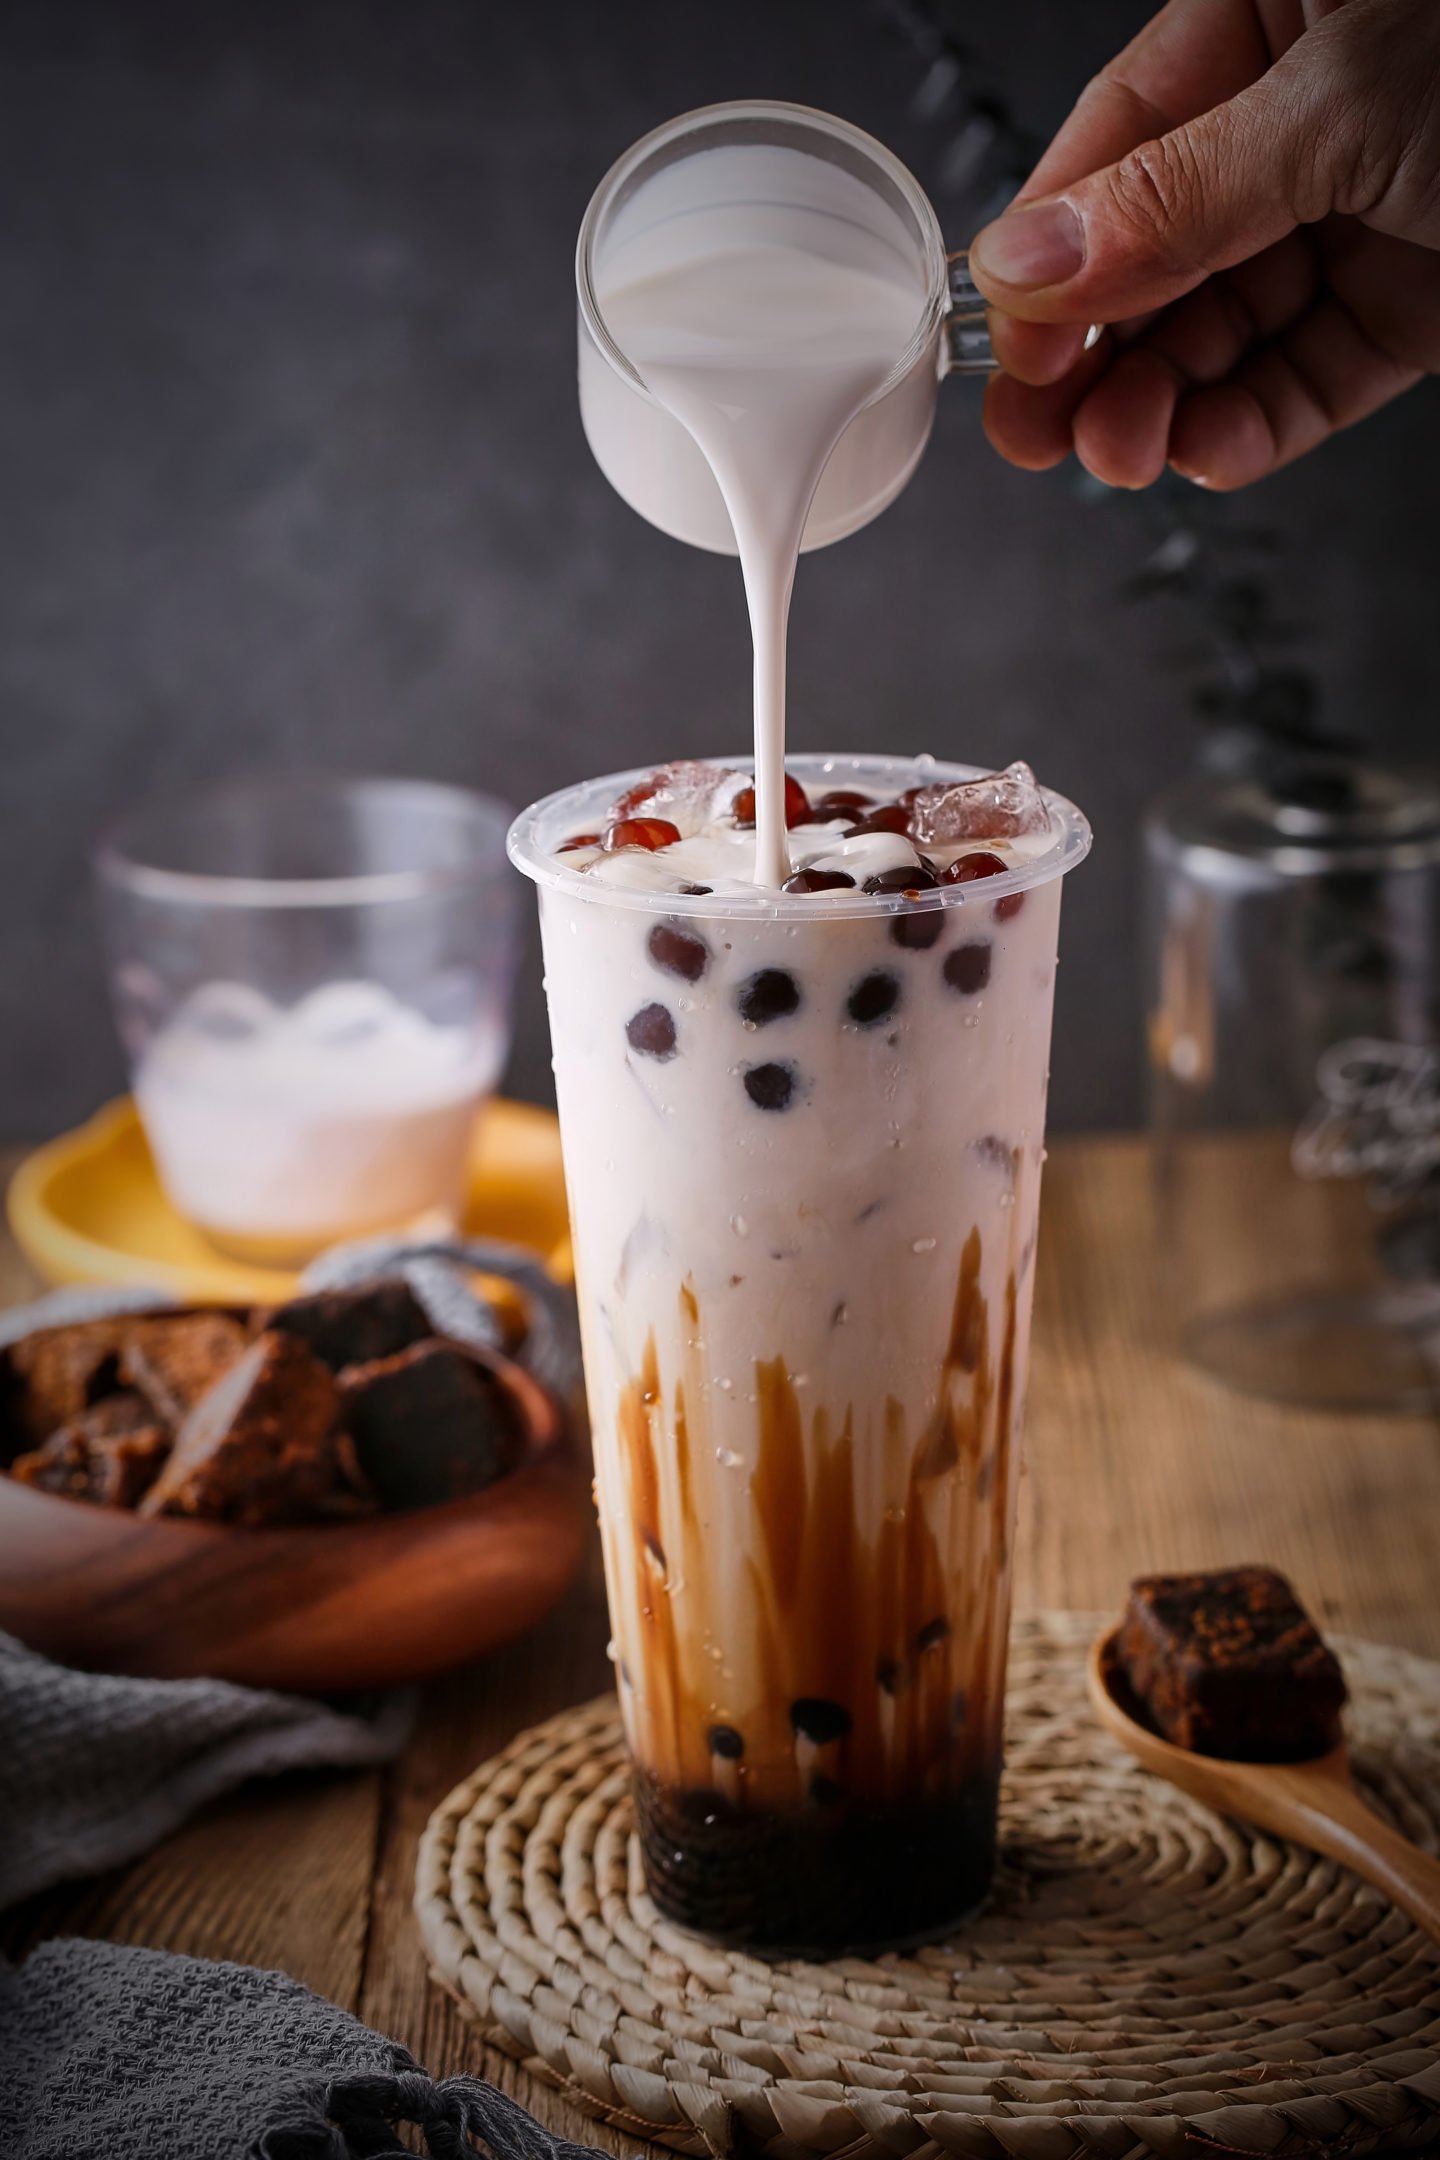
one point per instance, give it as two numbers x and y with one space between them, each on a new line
312 980
805 1259
1294 994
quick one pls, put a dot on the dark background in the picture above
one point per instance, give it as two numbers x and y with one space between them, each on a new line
291 469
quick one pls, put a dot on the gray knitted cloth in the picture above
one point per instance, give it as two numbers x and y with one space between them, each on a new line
119 2054
96 1769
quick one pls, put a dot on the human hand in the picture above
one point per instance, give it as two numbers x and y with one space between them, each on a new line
1249 196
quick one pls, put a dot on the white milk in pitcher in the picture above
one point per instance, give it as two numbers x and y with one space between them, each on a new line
764 297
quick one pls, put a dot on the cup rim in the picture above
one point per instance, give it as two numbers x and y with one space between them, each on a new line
533 854
695 122
120 864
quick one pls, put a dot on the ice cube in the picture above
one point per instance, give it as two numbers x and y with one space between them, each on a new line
689 792
1001 806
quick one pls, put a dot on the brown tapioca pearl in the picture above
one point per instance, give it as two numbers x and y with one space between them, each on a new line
933 1633
904 878
652 833
773 994
887 817
770 1087
797 805
1008 906
965 869
578 840
816 1719
843 802
679 952
873 998
917 929
967 969
726 1742
651 1032
996 1153
808 881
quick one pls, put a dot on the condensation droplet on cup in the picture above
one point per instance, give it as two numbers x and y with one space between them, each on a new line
726 1456
739 1225
924 1244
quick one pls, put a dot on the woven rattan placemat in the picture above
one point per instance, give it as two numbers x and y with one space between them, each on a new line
1147 1978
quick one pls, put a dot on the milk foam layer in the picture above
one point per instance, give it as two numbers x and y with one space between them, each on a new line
805 1299
346 1111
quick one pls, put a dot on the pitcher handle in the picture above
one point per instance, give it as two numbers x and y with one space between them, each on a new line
965 347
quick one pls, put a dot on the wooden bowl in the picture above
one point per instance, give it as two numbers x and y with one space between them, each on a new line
319 1608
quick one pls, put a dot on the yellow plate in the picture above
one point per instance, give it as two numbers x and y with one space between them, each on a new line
88 1208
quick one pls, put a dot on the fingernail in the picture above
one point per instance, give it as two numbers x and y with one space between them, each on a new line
1030 247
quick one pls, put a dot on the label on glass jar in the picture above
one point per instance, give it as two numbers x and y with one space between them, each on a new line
1378 1117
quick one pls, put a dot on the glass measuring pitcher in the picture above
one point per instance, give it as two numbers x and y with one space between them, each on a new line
865 197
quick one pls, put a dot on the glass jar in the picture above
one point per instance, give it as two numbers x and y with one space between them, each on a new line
1293 965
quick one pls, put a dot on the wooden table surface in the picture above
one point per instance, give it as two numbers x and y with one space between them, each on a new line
1134 1463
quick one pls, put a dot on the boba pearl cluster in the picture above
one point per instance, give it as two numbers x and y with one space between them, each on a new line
688 829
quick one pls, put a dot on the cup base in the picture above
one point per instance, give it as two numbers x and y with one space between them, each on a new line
824 1882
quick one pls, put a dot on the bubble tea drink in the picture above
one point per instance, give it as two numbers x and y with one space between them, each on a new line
803 1136
801 1024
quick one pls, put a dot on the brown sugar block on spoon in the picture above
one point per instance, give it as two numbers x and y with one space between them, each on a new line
1230 1664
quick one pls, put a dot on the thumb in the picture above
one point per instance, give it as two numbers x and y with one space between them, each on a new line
1213 192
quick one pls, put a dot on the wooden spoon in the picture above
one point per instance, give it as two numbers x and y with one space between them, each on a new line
1313 1803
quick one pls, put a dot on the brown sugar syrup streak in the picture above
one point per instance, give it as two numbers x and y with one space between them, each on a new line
900 1623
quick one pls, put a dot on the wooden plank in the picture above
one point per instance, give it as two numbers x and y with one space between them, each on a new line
277 1874
1137 1462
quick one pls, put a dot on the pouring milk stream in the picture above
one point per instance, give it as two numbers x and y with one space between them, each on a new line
765 293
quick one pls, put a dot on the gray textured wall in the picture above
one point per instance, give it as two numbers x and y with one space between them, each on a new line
290 468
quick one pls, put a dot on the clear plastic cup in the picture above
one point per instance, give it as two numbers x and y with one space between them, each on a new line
803 1139
312 981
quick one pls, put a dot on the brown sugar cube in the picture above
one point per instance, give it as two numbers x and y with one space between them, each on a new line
57 1374
430 1424
263 1446
354 1327
1230 1664
174 1359
110 1455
